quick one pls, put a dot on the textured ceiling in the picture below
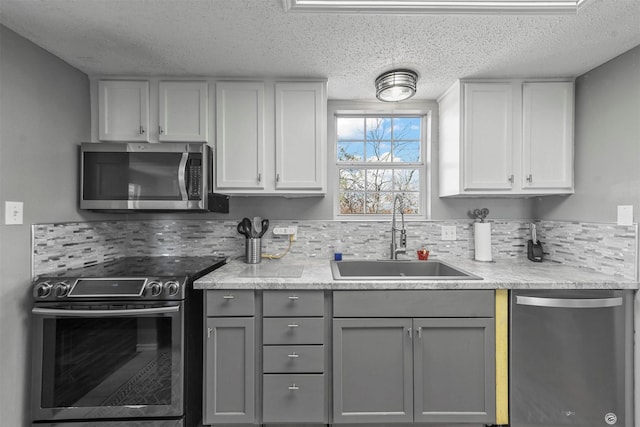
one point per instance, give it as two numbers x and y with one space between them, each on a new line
257 38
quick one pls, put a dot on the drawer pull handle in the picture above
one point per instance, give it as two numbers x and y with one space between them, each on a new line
293 355
293 325
294 387
228 297
294 297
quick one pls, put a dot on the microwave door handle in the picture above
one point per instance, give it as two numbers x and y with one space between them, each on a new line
104 313
182 176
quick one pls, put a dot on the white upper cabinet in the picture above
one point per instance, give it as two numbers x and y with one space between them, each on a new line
271 137
506 138
182 109
240 136
488 136
547 135
300 136
123 110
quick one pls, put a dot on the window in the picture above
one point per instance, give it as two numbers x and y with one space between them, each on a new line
379 157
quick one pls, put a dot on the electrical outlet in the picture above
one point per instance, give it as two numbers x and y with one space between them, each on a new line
13 213
291 230
625 215
448 232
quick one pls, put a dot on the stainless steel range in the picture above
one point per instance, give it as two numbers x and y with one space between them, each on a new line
119 344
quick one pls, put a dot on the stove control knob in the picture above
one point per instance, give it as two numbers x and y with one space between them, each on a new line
42 290
154 288
172 288
61 289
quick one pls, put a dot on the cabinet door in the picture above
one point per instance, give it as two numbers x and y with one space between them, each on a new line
454 370
547 135
230 370
123 110
488 136
372 372
240 135
182 111
300 135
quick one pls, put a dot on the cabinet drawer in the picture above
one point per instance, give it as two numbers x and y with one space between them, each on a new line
423 303
288 303
230 303
294 398
293 358
293 330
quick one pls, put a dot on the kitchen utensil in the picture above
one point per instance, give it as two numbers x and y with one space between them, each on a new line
534 247
241 230
264 226
256 224
248 228
480 214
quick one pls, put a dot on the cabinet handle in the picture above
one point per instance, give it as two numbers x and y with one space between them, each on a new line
160 130
259 177
410 332
293 325
141 130
293 355
277 177
228 297
511 179
294 387
294 297
209 332
419 332
529 178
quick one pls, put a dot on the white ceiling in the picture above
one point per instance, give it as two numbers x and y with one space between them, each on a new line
257 38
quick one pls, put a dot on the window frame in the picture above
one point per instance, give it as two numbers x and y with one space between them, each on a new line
424 166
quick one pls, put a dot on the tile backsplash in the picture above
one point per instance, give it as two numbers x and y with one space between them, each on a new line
601 247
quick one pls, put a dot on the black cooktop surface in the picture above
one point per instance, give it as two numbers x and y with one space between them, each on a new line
159 266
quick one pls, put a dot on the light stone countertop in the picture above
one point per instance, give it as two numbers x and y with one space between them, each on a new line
501 274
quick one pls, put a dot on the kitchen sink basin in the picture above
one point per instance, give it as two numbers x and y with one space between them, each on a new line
398 270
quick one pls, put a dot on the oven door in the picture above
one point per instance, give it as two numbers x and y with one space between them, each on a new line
107 361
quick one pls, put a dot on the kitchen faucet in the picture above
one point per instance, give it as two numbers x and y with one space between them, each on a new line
395 250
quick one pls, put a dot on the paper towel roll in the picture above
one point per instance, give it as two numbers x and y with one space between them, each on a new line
482 241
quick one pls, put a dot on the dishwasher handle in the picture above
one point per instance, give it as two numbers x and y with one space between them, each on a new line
569 302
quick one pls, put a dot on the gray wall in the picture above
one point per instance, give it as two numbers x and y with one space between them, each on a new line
44 114
607 144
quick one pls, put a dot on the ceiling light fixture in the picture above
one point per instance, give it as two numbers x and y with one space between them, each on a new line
396 85
483 7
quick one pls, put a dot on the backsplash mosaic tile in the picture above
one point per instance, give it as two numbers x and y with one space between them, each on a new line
602 247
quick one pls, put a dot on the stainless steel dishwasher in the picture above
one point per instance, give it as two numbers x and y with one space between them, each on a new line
571 358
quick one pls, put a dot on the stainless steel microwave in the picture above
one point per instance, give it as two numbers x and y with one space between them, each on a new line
148 177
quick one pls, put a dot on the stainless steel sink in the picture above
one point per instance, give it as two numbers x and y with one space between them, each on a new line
398 270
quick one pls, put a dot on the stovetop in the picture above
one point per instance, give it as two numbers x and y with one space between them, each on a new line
129 278
141 266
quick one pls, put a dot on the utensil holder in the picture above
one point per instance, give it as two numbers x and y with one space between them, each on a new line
253 250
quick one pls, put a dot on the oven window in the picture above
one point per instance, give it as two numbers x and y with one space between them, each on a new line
97 362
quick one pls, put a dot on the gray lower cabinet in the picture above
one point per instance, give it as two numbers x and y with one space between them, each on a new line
454 370
229 370
372 370
293 337
439 370
229 357
414 356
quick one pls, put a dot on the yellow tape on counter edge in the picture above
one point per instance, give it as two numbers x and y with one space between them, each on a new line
502 357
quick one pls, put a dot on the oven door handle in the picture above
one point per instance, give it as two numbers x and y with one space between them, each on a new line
104 313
